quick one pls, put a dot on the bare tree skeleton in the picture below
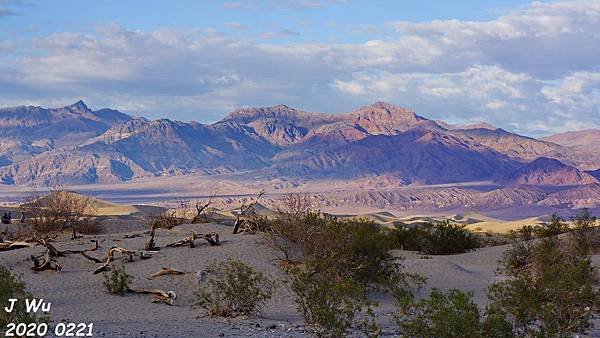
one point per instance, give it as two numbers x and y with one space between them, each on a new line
200 209
241 216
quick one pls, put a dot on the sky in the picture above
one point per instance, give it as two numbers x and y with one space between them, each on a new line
528 67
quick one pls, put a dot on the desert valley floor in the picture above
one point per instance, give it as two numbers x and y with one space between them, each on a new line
78 295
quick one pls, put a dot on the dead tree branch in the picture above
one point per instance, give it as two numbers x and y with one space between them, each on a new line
110 256
212 239
201 209
242 218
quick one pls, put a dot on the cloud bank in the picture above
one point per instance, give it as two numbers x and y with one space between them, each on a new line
534 70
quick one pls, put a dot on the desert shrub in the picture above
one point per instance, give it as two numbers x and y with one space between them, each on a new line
331 304
443 238
448 315
550 290
446 238
234 289
493 239
555 227
585 235
332 265
117 280
60 209
524 233
12 287
407 237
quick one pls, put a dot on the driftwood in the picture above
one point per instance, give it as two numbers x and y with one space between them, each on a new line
160 296
49 262
146 254
51 248
132 236
241 216
8 245
45 262
167 271
110 256
94 248
94 259
212 238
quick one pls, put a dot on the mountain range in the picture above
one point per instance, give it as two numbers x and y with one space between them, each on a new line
77 145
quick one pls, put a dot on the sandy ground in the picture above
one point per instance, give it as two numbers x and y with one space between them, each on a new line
77 295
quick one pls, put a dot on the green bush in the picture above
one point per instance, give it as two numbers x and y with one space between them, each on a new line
333 264
234 289
444 238
448 315
550 290
556 227
331 305
524 233
117 281
585 235
12 287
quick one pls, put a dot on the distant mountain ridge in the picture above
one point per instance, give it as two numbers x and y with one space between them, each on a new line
76 145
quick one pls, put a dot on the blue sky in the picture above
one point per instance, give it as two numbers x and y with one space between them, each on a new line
313 20
531 67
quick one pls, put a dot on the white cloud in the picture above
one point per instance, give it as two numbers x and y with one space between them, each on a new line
535 69
491 93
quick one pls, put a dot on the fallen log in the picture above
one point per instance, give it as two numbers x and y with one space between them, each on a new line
94 259
46 262
183 242
212 238
167 271
94 248
160 296
110 255
51 248
7 245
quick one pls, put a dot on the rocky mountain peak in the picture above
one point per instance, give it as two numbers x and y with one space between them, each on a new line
548 171
384 118
79 105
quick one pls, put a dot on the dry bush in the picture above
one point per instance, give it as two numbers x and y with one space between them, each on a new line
294 206
60 209
19 233
171 217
